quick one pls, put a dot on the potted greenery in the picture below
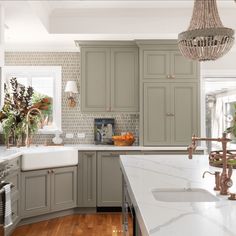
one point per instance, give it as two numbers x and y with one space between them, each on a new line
232 129
17 103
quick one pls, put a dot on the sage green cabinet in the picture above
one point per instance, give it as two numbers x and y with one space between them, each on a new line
156 107
87 185
109 78
170 113
124 79
185 108
109 180
183 68
35 193
63 188
95 79
165 64
156 64
45 191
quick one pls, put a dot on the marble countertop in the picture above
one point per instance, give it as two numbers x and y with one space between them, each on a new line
93 147
14 152
7 154
158 218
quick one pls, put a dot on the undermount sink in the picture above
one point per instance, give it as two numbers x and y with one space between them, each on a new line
183 195
47 157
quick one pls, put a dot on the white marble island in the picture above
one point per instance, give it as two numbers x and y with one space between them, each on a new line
158 218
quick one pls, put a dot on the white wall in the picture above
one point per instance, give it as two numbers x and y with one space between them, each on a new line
228 62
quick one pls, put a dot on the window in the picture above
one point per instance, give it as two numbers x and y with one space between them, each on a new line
46 82
220 101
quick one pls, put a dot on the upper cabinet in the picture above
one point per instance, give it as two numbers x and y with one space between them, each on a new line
156 64
109 77
95 79
124 79
168 65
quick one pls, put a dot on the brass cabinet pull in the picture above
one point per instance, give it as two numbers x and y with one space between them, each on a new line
172 77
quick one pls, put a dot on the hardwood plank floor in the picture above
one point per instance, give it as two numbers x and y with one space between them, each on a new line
105 224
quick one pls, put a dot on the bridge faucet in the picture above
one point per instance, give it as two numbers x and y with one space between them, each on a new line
27 139
225 176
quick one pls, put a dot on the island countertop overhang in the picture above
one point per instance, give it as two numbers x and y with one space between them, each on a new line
146 173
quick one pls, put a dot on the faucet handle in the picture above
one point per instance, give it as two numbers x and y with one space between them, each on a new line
208 172
217 179
190 152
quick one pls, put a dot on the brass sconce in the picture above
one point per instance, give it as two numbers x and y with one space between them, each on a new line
71 88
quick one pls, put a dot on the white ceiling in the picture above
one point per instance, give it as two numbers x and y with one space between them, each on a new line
54 25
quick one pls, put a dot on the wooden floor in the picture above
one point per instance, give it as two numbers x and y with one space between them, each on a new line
75 225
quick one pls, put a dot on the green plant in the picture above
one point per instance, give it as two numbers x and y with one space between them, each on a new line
42 102
232 128
17 103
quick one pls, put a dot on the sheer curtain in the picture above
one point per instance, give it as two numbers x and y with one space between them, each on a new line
217 120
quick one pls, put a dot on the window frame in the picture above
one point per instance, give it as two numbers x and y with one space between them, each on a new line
39 71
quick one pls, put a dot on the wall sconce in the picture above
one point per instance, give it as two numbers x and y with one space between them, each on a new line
71 88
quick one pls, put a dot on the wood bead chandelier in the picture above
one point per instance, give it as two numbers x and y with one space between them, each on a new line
206 38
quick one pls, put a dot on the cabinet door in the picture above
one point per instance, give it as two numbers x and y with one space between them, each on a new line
156 109
109 180
184 106
183 68
124 79
95 77
87 186
156 64
63 188
35 195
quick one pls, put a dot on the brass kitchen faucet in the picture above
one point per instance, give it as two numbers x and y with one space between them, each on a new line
223 180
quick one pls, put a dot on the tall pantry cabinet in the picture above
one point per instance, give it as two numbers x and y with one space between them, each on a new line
169 95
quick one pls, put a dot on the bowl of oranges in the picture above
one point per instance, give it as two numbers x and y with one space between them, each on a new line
126 139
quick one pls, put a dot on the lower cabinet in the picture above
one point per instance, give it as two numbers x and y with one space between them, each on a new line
87 176
109 179
63 188
45 191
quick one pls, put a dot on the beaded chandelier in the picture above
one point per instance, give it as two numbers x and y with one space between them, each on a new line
206 38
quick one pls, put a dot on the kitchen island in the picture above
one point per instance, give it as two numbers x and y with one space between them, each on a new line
143 174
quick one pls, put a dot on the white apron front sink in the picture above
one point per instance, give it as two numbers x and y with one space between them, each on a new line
48 157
